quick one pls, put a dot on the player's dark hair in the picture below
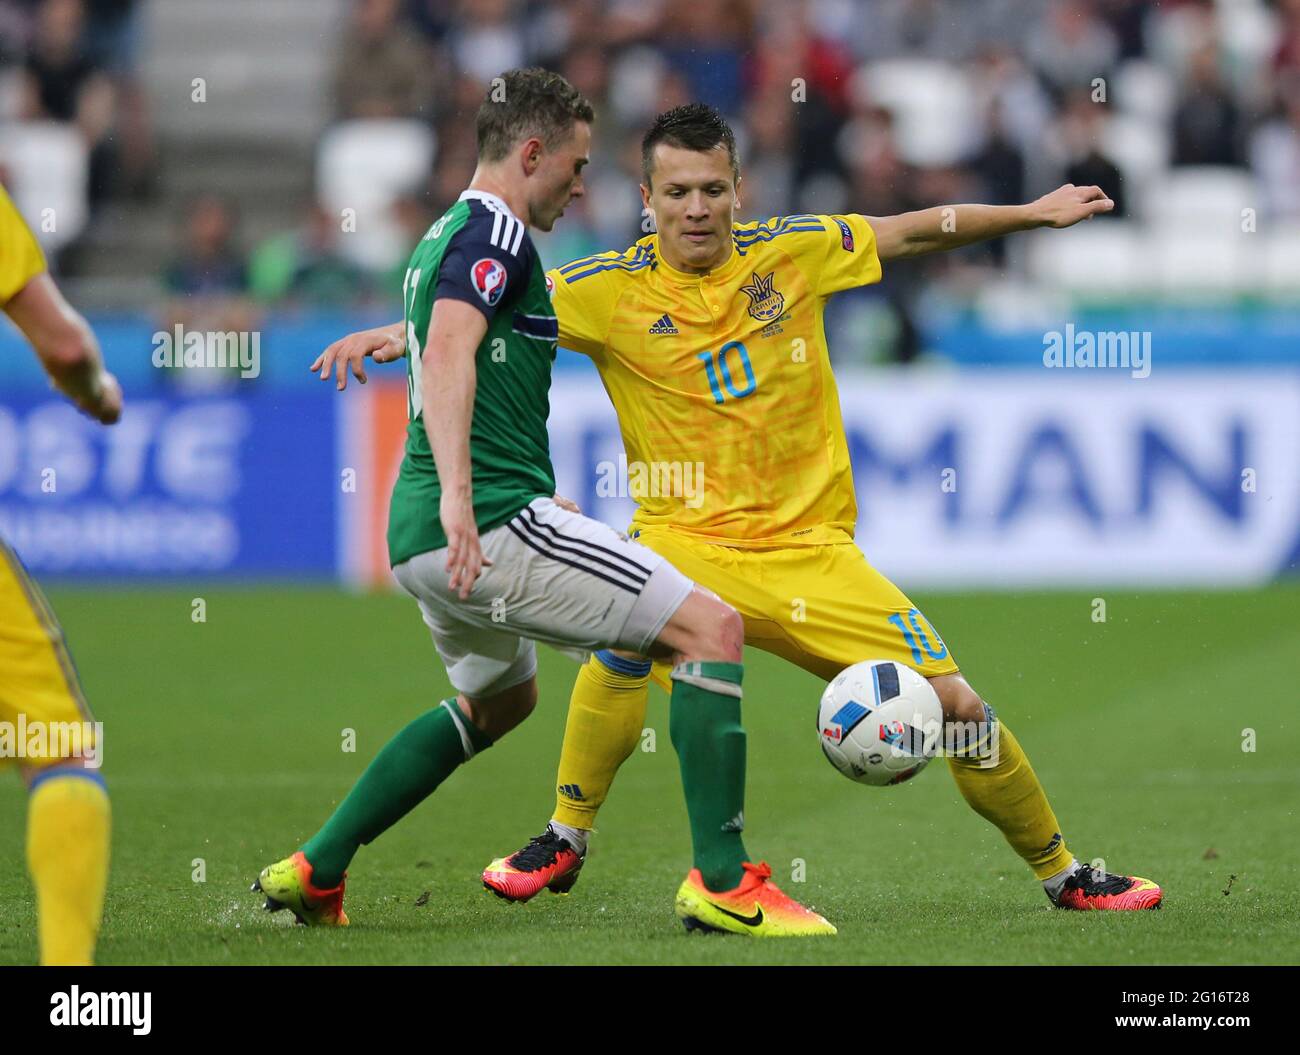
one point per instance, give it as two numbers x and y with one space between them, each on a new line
695 126
525 103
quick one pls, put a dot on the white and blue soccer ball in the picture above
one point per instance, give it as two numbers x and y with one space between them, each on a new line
879 722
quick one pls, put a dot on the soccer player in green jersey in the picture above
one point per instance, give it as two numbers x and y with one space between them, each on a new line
495 563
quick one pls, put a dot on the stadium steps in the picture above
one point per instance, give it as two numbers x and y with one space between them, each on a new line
267 68
120 260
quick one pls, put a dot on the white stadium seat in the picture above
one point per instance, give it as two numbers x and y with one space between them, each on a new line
1197 260
366 165
48 165
932 103
1279 260
1143 89
1094 259
1196 217
1140 146
1202 197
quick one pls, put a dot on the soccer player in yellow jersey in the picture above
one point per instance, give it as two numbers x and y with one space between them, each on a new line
708 337
42 709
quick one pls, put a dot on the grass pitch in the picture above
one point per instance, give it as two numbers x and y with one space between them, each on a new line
224 750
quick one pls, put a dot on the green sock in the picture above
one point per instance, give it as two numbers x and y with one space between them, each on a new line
404 773
704 724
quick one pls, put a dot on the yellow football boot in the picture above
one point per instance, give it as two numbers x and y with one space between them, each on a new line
287 884
756 907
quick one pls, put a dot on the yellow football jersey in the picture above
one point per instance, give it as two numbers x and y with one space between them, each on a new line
21 258
722 382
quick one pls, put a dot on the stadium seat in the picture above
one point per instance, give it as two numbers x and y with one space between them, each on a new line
1248 31
367 165
1143 89
1094 260
932 103
1279 255
1202 198
1195 260
48 166
1139 145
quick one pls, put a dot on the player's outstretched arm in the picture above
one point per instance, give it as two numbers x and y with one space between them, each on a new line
447 384
953 226
383 344
67 348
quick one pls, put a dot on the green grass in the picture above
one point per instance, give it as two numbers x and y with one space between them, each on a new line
223 742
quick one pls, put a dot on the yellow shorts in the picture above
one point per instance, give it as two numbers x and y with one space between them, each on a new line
821 607
43 714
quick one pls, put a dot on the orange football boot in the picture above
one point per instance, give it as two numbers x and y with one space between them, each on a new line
756 907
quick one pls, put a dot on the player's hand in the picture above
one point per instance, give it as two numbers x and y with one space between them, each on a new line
381 344
567 504
465 558
105 404
1069 204
110 400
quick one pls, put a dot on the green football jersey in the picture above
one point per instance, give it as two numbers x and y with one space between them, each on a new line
479 252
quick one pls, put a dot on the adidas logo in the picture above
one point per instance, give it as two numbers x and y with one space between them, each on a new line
736 824
664 325
571 791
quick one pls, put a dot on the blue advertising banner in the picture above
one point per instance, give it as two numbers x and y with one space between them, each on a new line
1020 478
239 485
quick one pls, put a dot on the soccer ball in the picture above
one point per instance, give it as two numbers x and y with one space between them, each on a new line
879 722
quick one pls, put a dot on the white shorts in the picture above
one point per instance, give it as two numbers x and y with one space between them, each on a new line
556 577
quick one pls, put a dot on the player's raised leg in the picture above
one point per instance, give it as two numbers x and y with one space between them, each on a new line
853 613
606 715
994 776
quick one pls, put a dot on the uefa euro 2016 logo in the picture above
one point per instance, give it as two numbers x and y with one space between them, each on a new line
765 304
489 277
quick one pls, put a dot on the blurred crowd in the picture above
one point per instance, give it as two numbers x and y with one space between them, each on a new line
75 63
872 106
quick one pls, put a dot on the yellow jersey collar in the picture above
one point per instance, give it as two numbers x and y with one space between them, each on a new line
730 267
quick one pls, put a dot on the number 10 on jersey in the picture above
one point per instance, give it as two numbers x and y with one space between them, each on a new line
719 364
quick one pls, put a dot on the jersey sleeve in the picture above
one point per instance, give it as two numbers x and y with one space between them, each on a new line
21 258
583 305
486 263
848 257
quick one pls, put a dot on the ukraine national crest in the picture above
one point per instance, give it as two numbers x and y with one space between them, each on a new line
765 304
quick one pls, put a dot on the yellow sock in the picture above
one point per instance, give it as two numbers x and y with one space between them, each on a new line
606 716
68 819
1008 794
